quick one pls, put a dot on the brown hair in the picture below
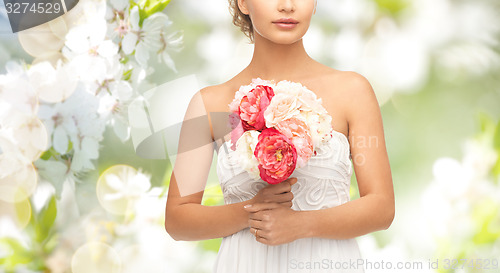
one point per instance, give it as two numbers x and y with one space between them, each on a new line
240 19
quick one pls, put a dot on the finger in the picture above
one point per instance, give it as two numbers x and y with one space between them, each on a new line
260 233
262 239
279 198
280 187
260 206
292 180
254 230
258 216
284 197
287 204
255 224
287 184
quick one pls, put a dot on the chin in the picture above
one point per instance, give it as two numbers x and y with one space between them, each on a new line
284 38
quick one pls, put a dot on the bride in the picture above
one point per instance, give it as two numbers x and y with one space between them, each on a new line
306 223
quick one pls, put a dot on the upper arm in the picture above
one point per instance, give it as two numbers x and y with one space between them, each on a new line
367 140
194 156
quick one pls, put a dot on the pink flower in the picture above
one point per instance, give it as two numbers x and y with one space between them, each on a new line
299 133
236 129
243 91
252 107
282 107
276 155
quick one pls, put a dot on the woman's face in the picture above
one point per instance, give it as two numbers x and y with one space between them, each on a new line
280 21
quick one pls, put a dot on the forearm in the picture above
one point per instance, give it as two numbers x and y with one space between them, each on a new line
355 218
195 222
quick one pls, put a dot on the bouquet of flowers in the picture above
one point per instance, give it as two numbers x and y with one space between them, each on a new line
277 127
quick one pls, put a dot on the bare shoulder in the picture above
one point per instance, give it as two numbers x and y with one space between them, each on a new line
208 93
216 97
347 84
351 90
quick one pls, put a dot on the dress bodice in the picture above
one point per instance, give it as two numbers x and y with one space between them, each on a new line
323 182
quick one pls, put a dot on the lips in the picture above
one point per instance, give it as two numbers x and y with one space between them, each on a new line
286 21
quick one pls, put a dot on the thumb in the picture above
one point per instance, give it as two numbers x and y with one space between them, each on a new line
292 180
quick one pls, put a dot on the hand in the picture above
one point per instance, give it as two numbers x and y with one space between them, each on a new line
274 224
276 193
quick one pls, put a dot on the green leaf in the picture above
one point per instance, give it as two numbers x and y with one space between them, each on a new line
23 211
51 244
124 59
18 254
156 6
49 153
46 155
45 220
149 7
127 74
13 244
70 146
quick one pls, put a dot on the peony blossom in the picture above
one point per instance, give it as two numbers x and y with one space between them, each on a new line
295 122
307 99
276 155
298 132
243 91
282 107
252 107
321 127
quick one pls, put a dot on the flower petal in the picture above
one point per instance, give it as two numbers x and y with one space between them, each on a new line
61 141
129 42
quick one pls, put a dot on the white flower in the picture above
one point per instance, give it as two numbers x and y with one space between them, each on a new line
75 120
91 55
52 84
173 41
11 159
320 126
115 9
127 185
84 152
114 111
54 171
16 92
146 38
307 98
90 39
245 147
457 192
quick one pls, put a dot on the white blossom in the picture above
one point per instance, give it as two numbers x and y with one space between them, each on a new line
245 147
150 37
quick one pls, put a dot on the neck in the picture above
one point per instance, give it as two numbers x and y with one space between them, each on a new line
277 62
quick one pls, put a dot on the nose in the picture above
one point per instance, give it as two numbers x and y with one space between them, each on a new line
286 5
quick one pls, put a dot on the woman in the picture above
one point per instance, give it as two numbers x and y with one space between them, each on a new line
306 223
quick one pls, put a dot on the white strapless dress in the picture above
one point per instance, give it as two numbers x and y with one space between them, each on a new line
323 183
